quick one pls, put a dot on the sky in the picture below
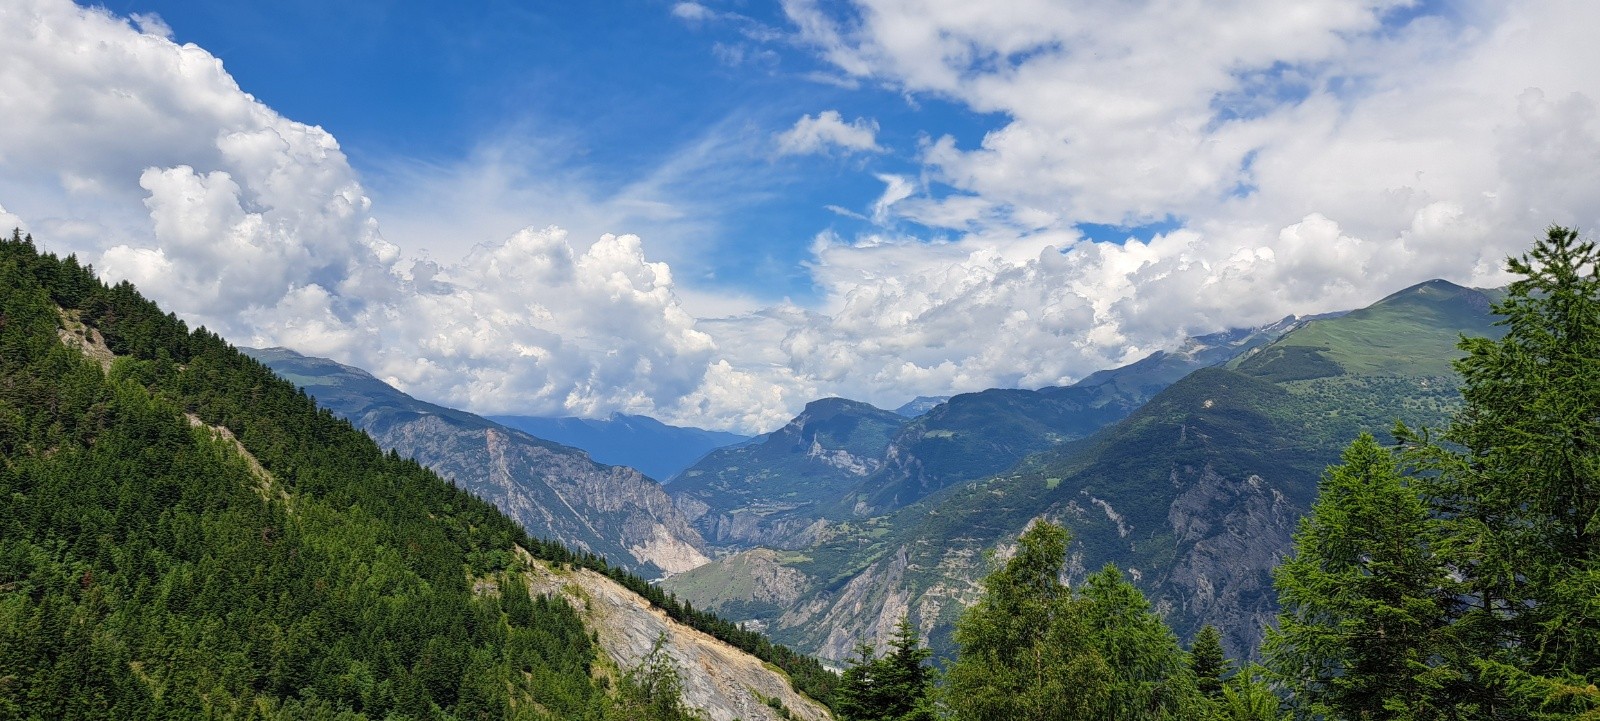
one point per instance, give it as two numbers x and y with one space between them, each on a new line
714 212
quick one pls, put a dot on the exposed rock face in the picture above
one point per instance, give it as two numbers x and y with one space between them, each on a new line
721 681
552 490
1231 535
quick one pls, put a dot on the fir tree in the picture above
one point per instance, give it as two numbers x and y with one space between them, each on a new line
893 687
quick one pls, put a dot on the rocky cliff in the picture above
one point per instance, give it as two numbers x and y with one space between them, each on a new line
554 491
720 681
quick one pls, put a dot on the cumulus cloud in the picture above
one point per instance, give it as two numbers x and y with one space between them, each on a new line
255 225
828 132
1318 155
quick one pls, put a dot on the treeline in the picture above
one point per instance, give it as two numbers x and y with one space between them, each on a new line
148 571
1453 576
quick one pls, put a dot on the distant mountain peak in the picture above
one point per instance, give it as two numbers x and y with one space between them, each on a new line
920 405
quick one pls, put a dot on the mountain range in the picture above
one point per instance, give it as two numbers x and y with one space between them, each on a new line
842 459
1195 491
656 449
1188 468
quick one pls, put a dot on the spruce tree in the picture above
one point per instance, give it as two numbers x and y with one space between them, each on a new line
854 699
1208 661
893 687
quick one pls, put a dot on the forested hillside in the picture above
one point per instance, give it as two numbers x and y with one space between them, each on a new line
185 535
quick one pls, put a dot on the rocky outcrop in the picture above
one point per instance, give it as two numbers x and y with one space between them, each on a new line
720 681
554 491
1230 534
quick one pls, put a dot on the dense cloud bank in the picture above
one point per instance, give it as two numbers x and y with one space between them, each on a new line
1314 161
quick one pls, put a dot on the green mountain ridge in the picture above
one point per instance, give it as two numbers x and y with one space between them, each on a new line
774 488
1195 493
768 496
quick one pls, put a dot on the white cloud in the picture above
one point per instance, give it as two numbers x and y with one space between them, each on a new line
826 132
692 11
255 225
1317 160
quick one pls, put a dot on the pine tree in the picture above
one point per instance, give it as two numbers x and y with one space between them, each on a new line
902 678
893 687
854 697
1365 600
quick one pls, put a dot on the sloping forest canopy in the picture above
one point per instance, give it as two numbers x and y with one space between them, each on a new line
150 569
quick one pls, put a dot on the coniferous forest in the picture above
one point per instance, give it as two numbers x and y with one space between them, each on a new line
184 535
148 569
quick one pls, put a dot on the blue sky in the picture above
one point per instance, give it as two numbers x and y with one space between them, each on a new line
713 212
614 87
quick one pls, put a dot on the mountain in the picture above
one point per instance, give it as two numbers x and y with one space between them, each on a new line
774 490
554 491
1195 494
920 405
745 497
977 434
656 449
185 535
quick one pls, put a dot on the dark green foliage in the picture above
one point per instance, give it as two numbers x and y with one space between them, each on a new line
1291 363
893 687
1208 661
1032 649
1467 588
1150 675
147 570
1518 488
1248 696
1365 598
